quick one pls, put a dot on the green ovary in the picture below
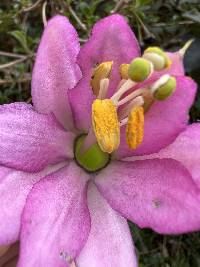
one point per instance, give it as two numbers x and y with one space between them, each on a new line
92 159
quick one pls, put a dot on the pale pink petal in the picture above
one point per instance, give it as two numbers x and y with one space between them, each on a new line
177 67
56 220
164 120
158 193
81 98
29 141
14 189
55 69
109 243
111 40
186 150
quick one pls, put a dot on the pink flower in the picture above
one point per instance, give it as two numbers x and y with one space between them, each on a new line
62 213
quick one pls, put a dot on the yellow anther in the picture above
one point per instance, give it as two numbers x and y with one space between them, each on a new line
123 69
102 71
105 124
135 127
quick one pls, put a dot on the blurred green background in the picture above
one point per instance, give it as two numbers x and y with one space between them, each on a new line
168 24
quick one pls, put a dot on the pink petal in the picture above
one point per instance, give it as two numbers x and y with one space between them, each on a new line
111 40
109 243
56 221
186 150
164 121
177 67
81 98
55 69
159 194
30 141
14 189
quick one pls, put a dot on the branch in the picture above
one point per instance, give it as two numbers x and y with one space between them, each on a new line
73 13
31 8
119 5
24 80
13 63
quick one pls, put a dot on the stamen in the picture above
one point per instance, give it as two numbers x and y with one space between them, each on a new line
125 87
123 122
157 60
140 69
135 127
123 69
100 72
104 83
120 84
136 102
159 83
89 140
105 124
131 96
164 87
148 100
158 57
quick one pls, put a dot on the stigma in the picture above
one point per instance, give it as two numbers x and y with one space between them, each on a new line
131 101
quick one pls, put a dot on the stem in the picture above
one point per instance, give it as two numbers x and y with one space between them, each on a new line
73 13
8 54
31 8
44 18
12 63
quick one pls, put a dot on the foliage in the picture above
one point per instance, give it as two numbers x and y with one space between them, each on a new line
167 23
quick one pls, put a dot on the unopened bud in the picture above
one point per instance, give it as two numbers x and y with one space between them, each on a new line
140 69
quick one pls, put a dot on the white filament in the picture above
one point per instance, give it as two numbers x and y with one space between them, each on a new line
160 82
104 83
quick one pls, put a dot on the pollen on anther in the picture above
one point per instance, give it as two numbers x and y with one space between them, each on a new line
135 127
105 124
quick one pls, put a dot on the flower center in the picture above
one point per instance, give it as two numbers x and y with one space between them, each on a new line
131 100
91 160
133 97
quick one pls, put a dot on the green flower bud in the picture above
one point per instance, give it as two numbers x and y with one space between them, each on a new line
165 90
140 69
158 57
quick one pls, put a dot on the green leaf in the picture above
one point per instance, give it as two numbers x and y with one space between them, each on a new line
193 15
21 37
140 3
